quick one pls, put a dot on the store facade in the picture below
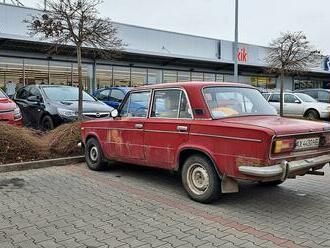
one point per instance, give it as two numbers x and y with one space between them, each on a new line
151 56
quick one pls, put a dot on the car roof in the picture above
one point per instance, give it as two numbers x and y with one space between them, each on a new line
319 89
193 84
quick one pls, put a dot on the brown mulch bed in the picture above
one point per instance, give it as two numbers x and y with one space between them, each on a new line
23 145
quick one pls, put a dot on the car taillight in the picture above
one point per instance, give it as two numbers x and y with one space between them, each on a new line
284 145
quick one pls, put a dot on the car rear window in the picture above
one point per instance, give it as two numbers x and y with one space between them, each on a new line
234 101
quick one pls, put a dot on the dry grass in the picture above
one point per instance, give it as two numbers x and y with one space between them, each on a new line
22 144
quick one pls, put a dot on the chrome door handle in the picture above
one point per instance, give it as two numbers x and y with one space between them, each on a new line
182 128
139 126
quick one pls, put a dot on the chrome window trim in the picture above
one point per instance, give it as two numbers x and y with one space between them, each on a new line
171 88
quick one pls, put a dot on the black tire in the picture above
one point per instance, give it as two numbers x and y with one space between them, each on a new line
271 183
312 115
94 155
206 185
47 123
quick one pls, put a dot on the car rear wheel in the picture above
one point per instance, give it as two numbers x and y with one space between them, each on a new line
271 183
200 179
94 155
47 123
312 115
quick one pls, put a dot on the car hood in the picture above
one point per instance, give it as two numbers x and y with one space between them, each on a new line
7 104
88 106
280 125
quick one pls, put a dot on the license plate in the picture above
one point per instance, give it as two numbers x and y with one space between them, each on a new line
307 143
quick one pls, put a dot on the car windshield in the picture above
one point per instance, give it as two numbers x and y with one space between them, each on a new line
236 101
2 95
65 93
305 98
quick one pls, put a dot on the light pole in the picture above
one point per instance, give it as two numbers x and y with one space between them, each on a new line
236 44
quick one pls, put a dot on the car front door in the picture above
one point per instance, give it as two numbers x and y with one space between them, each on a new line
21 100
125 134
274 100
167 128
292 105
35 106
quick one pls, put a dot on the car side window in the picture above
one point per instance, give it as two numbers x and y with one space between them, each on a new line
117 95
289 98
170 104
136 105
35 92
103 95
23 93
323 96
313 94
274 98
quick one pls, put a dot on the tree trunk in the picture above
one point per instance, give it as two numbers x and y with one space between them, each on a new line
81 87
282 94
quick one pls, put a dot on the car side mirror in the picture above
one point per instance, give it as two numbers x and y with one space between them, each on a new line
33 99
297 101
114 113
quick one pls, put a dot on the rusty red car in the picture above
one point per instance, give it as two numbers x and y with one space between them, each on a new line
9 111
213 134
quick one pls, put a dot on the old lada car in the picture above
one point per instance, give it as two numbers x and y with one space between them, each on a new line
213 134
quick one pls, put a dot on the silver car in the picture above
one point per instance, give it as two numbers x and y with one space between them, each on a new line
300 105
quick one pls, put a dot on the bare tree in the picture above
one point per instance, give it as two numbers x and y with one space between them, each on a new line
290 53
76 22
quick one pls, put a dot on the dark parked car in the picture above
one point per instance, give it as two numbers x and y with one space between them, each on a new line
47 106
112 96
321 95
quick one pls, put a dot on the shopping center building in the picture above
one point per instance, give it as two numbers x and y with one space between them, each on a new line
150 56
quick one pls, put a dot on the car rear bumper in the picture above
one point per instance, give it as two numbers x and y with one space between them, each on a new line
286 168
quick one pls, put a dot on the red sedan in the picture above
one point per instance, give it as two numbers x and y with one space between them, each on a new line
213 134
9 111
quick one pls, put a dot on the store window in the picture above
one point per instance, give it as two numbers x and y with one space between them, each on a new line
263 82
155 76
197 76
184 76
11 73
103 77
307 84
170 76
138 76
87 76
121 76
219 78
60 73
209 77
36 71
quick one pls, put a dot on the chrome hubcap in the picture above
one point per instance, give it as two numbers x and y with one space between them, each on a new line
198 179
93 154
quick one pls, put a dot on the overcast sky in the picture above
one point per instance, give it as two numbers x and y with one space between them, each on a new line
260 20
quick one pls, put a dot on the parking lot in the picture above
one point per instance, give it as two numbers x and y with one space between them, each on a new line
127 206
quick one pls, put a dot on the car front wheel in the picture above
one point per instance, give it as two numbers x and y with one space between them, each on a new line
200 179
47 123
94 155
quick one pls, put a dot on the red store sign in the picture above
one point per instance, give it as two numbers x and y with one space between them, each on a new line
242 55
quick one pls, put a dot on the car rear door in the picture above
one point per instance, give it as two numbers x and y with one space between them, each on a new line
167 128
125 137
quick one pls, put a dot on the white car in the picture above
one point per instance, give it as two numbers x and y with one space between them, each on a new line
300 105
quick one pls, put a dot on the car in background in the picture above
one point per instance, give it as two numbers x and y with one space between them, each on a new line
112 96
212 134
47 106
9 111
321 95
299 105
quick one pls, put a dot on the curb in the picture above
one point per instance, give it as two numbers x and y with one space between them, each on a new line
41 164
